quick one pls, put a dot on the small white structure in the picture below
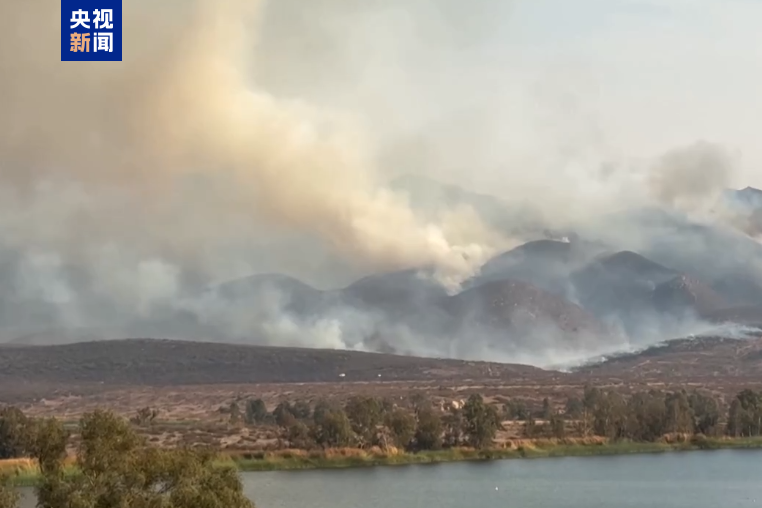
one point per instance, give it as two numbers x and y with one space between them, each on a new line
342 375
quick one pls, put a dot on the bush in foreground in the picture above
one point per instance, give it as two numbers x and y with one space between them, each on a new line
116 468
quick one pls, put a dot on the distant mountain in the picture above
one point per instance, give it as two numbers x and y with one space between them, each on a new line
718 255
546 264
291 294
396 293
746 204
631 266
514 313
619 286
743 200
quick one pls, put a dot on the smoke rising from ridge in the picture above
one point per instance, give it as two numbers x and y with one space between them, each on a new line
243 137
186 110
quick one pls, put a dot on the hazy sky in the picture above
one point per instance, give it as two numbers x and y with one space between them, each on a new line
476 92
647 75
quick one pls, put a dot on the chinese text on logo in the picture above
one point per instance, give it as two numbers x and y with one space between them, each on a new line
91 30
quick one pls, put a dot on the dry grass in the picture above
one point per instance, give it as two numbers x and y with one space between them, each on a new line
18 467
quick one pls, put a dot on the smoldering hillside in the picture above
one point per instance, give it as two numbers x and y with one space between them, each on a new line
273 173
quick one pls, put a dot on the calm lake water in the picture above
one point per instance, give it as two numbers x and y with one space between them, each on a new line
710 479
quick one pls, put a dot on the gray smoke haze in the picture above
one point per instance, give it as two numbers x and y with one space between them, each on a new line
692 176
252 137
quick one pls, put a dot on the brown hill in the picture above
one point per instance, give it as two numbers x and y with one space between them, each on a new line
396 293
635 265
546 264
154 362
295 295
686 293
749 315
511 307
695 358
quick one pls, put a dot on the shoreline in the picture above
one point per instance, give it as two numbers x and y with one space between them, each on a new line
23 472
301 460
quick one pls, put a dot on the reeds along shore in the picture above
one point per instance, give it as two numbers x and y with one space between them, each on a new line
522 448
25 472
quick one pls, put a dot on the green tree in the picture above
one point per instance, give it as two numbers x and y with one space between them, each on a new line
610 415
428 432
453 424
118 469
401 425
322 408
301 410
547 411
334 430
299 435
284 415
387 405
590 400
419 401
46 442
751 402
13 425
736 418
706 413
745 414
516 410
679 415
557 426
365 415
573 408
647 416
481 420
256 411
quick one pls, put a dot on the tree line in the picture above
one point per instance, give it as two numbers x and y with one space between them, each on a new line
369 421
116 467
645 416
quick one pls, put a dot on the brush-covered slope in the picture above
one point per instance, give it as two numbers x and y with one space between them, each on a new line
156 362
695 357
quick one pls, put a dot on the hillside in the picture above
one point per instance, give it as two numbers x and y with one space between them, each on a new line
546 264
396 293
515 319
684 293
153 362
503 304
695 358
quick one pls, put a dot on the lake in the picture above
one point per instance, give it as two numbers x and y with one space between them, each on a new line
708 479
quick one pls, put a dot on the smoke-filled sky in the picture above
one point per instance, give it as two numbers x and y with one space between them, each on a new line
558 87
242 137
